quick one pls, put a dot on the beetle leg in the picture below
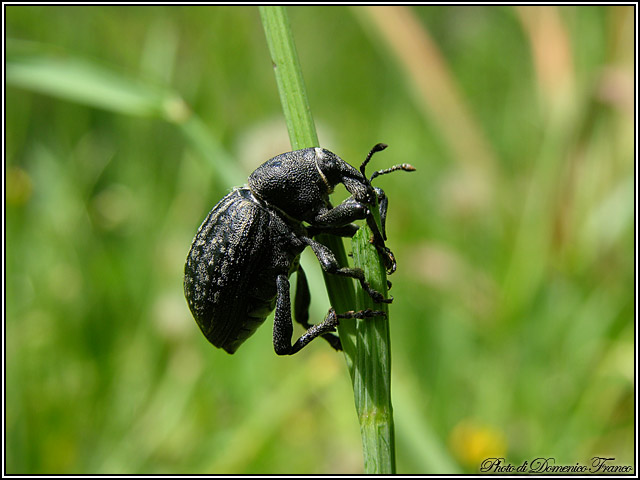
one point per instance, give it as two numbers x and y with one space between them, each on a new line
341 214
329 264
378 242
388 257
347 231
329 324
283 326
334 220
301 308
383 205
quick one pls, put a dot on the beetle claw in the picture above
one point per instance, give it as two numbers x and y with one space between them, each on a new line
361 314
388 258
376 296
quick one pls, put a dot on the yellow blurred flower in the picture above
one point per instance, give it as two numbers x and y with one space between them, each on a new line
472 443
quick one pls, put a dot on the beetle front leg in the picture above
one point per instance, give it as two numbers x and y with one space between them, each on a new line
387 255
330 265
337 218
383 205
346 231
342 214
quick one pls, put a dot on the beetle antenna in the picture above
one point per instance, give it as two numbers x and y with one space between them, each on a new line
403 166
376 148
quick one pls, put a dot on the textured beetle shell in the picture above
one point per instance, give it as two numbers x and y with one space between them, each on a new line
231 269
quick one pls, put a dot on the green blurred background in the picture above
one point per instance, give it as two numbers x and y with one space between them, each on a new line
513 322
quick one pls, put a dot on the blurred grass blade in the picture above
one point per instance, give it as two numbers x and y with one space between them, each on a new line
227 171
432 82
86 83
81 81
416 435
551 53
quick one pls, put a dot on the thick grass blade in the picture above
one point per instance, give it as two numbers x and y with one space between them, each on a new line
367 357
372 369
302 133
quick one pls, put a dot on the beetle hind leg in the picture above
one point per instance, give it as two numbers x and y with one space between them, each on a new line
330 323
283 325
301 308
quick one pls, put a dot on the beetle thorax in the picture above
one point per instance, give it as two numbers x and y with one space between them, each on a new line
292 182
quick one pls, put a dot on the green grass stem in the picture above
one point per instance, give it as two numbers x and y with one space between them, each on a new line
302 133
372 372
368 360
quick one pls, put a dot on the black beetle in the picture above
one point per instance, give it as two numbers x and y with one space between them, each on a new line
243 254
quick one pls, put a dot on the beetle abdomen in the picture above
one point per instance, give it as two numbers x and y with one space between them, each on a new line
228 283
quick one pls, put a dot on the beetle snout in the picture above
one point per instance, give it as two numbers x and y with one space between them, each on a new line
365 194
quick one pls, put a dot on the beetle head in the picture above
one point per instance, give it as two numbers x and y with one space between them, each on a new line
334 170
